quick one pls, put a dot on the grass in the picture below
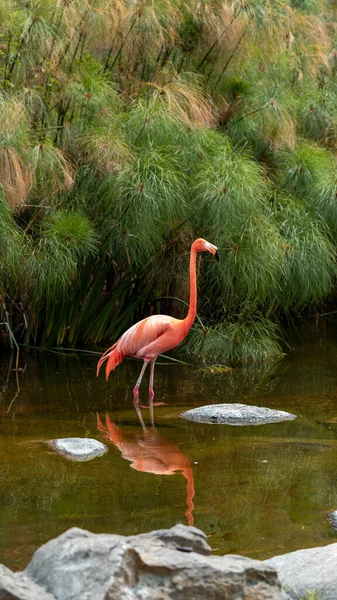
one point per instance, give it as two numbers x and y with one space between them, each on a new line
128 130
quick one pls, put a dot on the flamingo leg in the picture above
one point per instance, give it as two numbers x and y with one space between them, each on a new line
151 393
139 381
151 390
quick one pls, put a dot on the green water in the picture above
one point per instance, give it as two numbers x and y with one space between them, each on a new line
258 490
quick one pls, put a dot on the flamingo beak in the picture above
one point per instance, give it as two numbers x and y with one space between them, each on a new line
212 249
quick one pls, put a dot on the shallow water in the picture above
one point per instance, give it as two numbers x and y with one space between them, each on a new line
257 490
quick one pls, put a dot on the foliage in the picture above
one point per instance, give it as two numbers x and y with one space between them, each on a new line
128 129
235 342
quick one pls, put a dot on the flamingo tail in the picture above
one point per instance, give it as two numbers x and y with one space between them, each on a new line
113 356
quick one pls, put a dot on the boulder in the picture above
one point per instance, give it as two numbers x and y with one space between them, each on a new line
311 570
78 449
17 586
162 565
236 414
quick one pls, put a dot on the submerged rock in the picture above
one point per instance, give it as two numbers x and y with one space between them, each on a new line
160 565
78 449
312 570
236 414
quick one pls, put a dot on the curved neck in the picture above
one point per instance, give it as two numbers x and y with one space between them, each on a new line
192 311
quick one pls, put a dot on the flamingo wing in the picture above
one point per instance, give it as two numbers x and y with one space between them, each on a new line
134 339
144 333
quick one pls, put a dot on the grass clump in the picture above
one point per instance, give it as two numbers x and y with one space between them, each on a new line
235 342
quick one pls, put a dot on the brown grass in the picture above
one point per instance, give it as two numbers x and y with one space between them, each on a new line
15 176
183 97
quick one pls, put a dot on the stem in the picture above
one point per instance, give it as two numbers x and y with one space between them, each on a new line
156 69
75 51
55 31
140 131
217 41
106 66
60 119
82 47
142 75
7 56
213 64
68 45
123 43
181 64
251 113
209 51
13 341
233 53
166 55
22 41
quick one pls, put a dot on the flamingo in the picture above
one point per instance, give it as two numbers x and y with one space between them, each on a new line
156 334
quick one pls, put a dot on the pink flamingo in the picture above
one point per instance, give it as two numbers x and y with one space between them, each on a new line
156 334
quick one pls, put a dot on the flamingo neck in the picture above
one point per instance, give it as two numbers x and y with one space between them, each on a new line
192 311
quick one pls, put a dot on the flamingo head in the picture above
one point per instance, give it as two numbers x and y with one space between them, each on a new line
202 245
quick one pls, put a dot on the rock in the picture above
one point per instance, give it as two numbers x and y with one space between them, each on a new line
78 449
17 586
162 565
309 570
332 519
236 414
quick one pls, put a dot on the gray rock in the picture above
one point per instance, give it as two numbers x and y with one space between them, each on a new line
78 449
332 519
17 586
162 565
309 570
236 414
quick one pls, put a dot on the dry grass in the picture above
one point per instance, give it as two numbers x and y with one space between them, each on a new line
312 39
53 172
15 176
183 96
106 150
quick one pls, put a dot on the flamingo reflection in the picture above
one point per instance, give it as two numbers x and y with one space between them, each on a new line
151 452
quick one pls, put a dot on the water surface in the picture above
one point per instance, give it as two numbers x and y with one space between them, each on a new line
256 490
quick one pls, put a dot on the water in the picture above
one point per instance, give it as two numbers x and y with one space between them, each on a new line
257 490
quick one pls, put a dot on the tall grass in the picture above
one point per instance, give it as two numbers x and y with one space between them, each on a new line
129 129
